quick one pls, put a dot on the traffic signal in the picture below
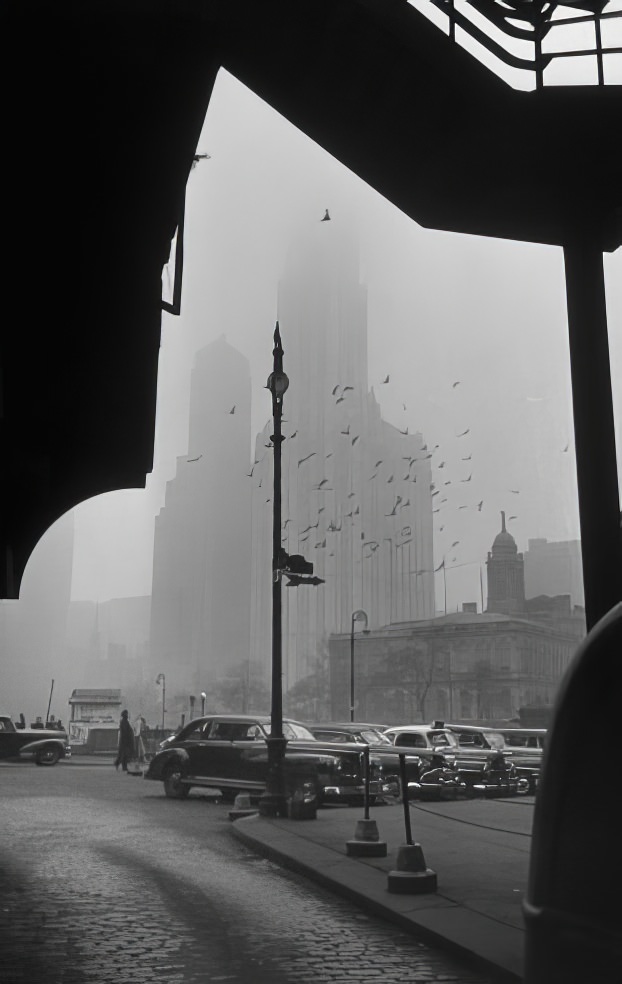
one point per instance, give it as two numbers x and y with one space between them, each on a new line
296 563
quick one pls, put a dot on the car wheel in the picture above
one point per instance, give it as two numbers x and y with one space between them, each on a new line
173 786
47 756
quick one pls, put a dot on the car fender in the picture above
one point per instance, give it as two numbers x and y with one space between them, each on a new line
36 746
162 758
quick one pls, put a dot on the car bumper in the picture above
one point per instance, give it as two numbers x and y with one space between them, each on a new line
341 794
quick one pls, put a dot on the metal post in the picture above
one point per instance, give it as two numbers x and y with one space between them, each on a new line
273 802
352 668
409 836
597 479
367 773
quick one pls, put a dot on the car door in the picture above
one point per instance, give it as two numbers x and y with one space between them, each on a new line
194 742
226 742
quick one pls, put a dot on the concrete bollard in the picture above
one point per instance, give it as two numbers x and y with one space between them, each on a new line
412 876
366 842
242 807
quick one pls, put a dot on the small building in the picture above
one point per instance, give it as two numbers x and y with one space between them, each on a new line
94 720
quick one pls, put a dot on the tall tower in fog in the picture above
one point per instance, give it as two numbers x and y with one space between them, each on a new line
199 612
356 490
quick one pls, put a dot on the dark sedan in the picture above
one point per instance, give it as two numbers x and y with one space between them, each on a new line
229 752
45 745
379 743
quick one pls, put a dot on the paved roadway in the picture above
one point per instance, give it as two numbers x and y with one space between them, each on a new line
105 880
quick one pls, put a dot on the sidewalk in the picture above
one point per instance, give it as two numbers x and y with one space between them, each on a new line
482 872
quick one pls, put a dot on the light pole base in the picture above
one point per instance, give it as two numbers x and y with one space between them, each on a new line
272 805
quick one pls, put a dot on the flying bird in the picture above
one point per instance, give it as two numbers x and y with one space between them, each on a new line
457 383
346 431
423 447
321 484
293 435
195 459
515 491
442 464
286 522
250 473
454 544
372 476
302 460
321 544
405 432
232 410
357 510
334 392
467 479
340 400
326 217
404 405
351 494
565 449
464 432
468 458
463 507
378 463
346 388
389 479
386 380
479 505
512 517
354 440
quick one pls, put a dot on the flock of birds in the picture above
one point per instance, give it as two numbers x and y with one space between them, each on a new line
440 490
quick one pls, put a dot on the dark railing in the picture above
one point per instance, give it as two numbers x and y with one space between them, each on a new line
532 22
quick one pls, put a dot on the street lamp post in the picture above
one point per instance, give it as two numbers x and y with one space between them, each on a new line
273 802
161 679
358 616
203 698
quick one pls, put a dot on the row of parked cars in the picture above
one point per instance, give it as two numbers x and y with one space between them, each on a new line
326 762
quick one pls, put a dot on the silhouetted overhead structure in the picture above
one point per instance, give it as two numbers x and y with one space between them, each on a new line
105 109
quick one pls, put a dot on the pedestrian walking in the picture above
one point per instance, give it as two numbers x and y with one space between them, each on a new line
126 742
140 726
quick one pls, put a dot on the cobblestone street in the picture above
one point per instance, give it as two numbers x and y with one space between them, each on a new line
105 880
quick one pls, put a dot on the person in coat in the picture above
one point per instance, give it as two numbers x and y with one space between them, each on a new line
126 742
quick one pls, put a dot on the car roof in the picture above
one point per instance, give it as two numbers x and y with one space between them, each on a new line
416 728
344 726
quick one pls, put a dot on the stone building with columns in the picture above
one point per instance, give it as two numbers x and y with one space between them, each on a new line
463 665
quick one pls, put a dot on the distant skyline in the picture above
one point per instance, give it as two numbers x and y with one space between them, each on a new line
444 309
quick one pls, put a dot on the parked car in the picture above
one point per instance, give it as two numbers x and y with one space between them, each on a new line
526 761
527 747
229 752
372 735
45 745
483 770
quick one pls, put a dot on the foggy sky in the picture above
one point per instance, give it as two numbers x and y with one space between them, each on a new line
443 308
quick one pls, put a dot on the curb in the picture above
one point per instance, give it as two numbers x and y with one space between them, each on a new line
243 830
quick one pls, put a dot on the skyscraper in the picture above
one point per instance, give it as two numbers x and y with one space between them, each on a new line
199 613
356 490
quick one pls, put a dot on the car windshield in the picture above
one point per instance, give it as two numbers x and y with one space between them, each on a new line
291 731
373 737
442 738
